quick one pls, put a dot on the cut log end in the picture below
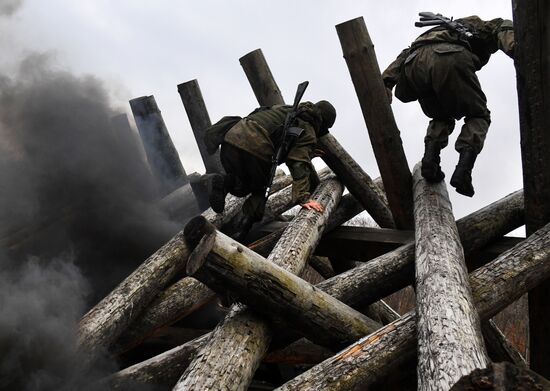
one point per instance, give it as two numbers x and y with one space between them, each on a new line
196 229
198 256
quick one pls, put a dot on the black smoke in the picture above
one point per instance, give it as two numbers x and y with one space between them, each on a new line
77 214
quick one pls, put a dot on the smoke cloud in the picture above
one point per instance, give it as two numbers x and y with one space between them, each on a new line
77 215
9 7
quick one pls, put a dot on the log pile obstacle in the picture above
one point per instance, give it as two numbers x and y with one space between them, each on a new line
288 308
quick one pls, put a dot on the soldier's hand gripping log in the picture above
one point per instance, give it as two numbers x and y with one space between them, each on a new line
287 134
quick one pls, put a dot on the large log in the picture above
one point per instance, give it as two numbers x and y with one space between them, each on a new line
390 272
386 141
162 155
261 79
228 267
450 344
104 323
380 354
356 180
532 61
244 333
199 119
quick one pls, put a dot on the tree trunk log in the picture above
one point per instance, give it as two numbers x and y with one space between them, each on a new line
386 141
245 335
450 344
104 323
498 347
357 181
199 120
393 271
261 79
227 267
532 60
162 155
502 377
378 355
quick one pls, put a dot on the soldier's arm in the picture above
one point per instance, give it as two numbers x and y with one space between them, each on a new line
505 38
392 72
300 172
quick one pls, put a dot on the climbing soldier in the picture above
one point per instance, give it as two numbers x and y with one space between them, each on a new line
439 69
248 148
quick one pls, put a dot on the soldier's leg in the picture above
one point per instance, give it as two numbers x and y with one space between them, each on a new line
437 138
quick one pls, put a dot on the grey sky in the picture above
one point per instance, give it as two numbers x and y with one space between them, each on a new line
141 47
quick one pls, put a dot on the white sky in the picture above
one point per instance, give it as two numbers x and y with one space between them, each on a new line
141 47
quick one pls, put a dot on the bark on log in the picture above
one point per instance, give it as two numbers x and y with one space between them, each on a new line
104 323
386 142
502 377
494 286
381 312
450 344
532 61
228 267
390 272
261 79
162 155
356 180
244 333
498 347
299 352
199 120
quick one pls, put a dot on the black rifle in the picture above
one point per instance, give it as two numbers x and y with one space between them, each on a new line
431 19
280 154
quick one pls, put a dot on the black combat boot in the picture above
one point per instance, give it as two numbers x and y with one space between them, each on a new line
216 192
431 170
462 177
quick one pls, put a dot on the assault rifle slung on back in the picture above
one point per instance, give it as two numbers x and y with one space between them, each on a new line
431 19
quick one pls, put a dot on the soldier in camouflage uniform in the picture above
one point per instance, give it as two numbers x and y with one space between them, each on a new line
439 69
247 150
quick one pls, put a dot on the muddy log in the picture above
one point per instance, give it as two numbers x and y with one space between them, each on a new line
162 155
385 138
450 344
356 180
244 333
393 271
191 97
228 267
498 347
378 355
532 61
104 323
261 79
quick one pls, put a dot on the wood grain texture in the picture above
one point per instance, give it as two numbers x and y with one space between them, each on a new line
385 138
494 286
246 334
450 344
261 79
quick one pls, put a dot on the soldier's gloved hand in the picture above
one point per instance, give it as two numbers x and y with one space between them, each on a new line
312 204
389 94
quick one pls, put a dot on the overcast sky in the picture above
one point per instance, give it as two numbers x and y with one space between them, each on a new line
141 47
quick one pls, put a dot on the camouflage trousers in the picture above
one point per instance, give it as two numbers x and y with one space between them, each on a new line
443 77
245 174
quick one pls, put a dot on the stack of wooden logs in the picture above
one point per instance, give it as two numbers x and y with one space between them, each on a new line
303 307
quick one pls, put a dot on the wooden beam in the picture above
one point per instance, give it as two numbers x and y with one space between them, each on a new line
261 79
199 120
162 155
242 330
230 268
532 60
386 142
450 344
380 354
498 347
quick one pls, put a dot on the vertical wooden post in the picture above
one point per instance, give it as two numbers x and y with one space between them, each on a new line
199 119
450 343
384 135
532 60
159 148
261 79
